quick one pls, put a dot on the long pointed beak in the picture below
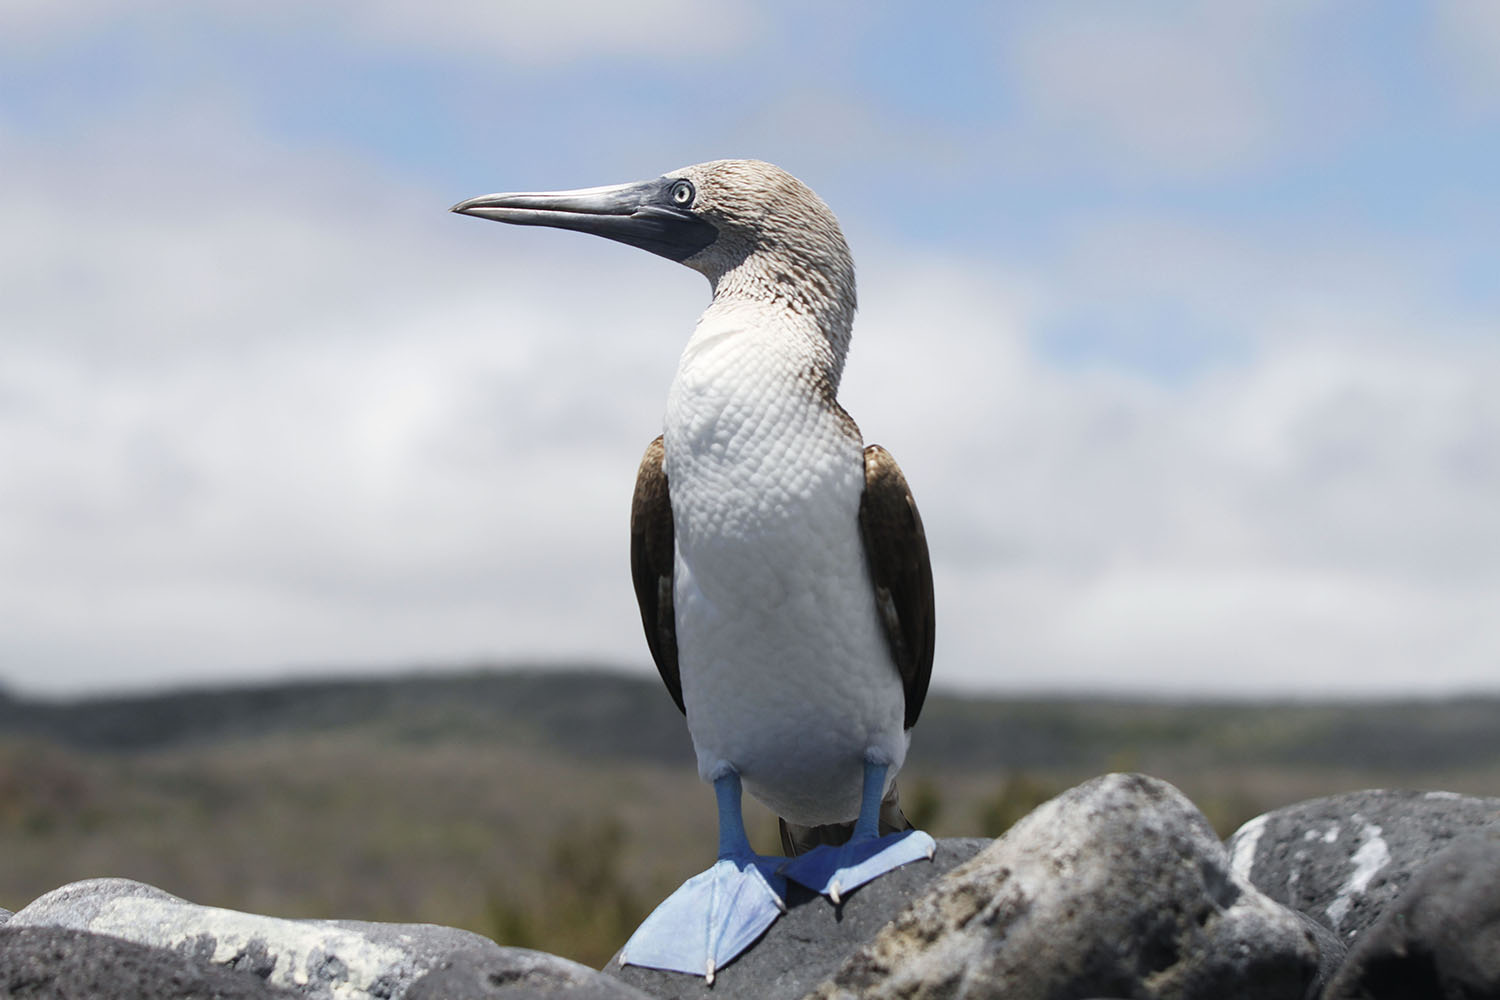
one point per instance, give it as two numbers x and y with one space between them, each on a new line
641 215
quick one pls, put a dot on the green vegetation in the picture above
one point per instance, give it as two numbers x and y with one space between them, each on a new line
1019 794
553 810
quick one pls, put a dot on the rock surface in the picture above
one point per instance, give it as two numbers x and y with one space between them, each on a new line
57 963
1118 887
1343 859
1440 938
517 974
1331 950
811 940
321 959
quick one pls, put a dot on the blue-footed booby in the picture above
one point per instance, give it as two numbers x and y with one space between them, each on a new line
780 565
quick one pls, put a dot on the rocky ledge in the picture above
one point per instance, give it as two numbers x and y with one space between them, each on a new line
1116 888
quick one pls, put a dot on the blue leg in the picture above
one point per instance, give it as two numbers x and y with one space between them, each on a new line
867 856
719 913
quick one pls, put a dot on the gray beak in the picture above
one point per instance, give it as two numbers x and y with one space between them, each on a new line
642 215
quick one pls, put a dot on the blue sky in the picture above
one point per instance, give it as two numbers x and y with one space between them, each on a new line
1181 318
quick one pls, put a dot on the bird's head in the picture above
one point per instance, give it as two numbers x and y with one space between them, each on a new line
750 227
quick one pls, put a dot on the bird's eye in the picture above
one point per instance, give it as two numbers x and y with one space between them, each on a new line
682 194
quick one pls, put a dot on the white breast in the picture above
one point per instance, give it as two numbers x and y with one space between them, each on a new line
786 675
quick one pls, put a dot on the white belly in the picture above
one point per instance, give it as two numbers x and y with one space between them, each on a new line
786 674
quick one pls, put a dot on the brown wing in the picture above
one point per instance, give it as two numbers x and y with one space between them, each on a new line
896 551
651 558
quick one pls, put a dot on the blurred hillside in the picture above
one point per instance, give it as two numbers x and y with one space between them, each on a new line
554 809
615 716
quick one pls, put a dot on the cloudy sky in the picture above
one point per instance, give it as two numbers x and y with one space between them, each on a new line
1183 320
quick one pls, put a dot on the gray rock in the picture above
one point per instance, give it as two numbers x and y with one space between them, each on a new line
1118 887
1342 860
1439 939
517 974
321 959
811 940
56 963
5 916
1331 950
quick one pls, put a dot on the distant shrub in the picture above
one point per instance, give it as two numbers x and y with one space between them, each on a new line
1020 794
584 908
924 805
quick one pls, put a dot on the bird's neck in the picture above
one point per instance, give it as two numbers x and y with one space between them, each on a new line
755 394
810 303
752 340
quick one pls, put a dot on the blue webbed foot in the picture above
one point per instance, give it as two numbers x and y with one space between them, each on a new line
716 914
834 871
713 917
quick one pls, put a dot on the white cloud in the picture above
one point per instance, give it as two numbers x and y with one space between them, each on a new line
269 425
32 20
1322 516
560 30
1467 37
1173 91
262 410
516 31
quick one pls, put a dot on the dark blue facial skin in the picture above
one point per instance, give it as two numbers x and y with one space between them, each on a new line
655 215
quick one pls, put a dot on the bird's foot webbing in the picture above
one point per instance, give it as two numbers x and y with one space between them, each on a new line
716 914
711 919
835 871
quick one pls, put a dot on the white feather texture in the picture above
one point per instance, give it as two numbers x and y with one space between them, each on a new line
785 670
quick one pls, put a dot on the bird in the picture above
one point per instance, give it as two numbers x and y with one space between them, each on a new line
780 566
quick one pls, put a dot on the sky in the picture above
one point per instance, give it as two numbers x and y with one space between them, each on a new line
1183 320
